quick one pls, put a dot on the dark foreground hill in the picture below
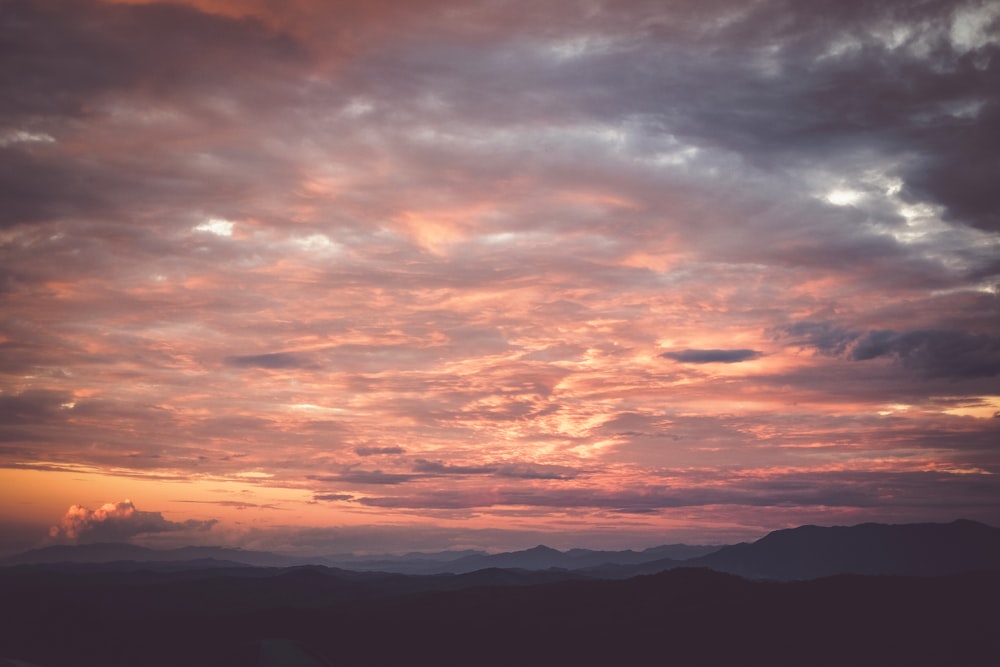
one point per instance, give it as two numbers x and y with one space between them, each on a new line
318 616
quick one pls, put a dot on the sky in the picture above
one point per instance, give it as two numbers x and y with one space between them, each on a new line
329 276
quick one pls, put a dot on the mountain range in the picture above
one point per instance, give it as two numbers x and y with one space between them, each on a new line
456 562
916 594
806 552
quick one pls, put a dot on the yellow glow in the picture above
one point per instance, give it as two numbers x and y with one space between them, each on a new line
987 409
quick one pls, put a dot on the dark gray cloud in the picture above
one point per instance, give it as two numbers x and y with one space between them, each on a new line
368 450
63 56
440 468
508 470
84 61
934 353
857 489
272 360
536 471
855 76
237 504
368 477
33 405
712 356
34 187
826 337
333 496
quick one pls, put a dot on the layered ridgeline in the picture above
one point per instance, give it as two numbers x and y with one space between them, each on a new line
807 552
120 605
218 613
448 562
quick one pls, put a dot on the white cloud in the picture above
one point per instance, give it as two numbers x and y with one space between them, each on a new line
217 226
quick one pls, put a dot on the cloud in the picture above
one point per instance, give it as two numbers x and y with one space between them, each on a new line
271 361
933 353
440 468
333 496
237 504
509 470
368 450
835 80
826 337
368 477
82 61
536 471
117 522
712 356
33 406
856 489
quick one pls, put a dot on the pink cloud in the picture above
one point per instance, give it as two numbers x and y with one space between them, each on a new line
115 522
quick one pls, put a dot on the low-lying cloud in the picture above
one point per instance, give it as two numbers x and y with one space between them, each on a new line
117 522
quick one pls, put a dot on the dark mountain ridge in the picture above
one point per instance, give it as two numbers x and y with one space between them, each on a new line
809 552
460 562
806 552
729 610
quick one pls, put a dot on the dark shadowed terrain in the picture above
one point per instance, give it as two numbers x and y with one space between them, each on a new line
214 613
693 616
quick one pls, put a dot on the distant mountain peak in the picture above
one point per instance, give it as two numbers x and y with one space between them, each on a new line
542 549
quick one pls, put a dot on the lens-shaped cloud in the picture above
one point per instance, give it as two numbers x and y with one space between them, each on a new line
712 356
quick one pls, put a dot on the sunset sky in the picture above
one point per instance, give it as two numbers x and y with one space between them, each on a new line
333 276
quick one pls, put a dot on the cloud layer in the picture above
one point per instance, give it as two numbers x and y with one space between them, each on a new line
506 265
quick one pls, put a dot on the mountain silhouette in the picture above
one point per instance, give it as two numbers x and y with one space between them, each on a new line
460 562
833 606
542 557
809 552
806 552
